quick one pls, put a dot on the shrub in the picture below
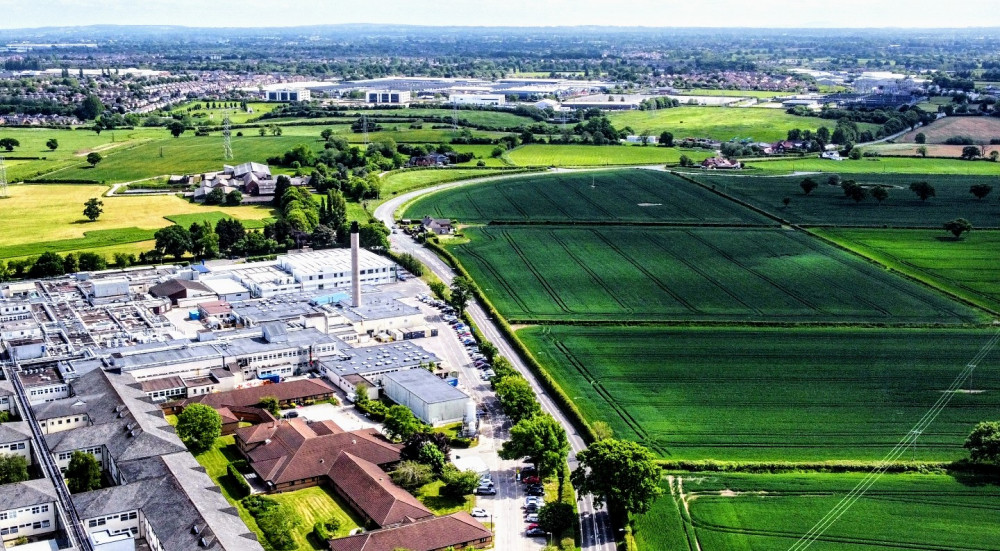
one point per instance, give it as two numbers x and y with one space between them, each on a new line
240 481
459 483
241 465
274 520
326 530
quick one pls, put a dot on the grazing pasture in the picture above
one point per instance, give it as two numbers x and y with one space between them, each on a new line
771 512
879 165
772 394
720 123
980 129
612 196
693 274
601 155
828 206
966 267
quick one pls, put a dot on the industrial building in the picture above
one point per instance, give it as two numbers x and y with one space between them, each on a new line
287 95
430 398
387 97
478 99
331 269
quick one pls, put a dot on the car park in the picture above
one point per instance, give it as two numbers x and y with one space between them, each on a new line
479 512
531 479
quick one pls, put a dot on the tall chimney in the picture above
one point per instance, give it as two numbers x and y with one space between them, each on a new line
355 268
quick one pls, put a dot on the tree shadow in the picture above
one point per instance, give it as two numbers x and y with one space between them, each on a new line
972 474
947 238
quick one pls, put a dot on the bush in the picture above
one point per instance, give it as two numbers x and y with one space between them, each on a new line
959 140
241 465
459 483
459 442
325 531
274 520
240 481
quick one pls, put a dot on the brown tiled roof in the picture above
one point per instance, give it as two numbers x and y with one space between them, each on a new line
290 390
165 383
374 493
295 450
424 535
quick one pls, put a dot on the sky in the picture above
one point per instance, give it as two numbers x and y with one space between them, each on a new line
649 13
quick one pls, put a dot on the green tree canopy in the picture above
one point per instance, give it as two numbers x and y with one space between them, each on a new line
980 191
924 190
83 473
556 517
13 468
94 157
958 226
461 293
984 442
270 403
411 474
517 398
92 209
619 472
173 240
400 424
542 440
198 426
52 144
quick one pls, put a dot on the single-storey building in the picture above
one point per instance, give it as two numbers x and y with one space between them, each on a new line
430 398
183 292
440 226
458 530
287 394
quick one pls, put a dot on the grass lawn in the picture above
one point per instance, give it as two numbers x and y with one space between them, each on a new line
772 394
720 123
965 267
51 218
430 495
73 147
592 155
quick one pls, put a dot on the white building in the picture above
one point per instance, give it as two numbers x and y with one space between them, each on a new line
227 289
287 95
431 400
478 99
388 97
331 269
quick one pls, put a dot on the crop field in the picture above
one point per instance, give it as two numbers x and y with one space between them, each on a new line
966 267
409 180
720 123
600 196
771 512
911 150
880 165
593 155
694 274
980 129
772 394
51 218
827 205
493 119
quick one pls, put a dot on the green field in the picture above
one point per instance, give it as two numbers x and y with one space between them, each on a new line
409 180
491 119
593 196
966 267
827 205
771 512
720 123
733 93
772 394
214 116
51 218
592 155
880 165
73 147
694 274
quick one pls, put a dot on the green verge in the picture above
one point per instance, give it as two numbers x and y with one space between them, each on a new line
90 240
213 217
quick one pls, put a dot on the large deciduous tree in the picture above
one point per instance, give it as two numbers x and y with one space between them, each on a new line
542 440
461 293
173 240
198 426
517 398
984 442
980 191
13 468
400 424
619 472
92 209
924 190
83 473
958 226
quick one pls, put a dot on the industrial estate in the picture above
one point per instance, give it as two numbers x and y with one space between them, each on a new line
428 289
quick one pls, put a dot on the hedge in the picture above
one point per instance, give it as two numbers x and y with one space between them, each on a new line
237 477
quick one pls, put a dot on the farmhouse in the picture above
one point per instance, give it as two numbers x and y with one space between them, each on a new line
720 163
440 226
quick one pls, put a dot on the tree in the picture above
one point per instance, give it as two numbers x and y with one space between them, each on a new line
542 440
411 475
281 185
93 158
262 131
619 472
923 190
83 473
176 128
854 191
123 260
52 144
667 139
90 108
984 442
922 151
92 262
854 155
92 208
686 161
9 143
13 468
880 193
270 403
230 232
414 445
48 264
400 424
215 197
786 201
234 198
431 456
323 237
556 517
461 293
517 398
459 483
602 430
173 240
970 152
980 190
958 226
198 426
326 134
920 138
808 185
71 264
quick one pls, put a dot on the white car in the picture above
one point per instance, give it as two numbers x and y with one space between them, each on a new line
533 517
479 512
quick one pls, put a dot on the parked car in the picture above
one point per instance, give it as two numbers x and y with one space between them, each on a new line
531 508
479 512
529 471
531 479
531 517
486 491
535 533
532 499
291 415
535 491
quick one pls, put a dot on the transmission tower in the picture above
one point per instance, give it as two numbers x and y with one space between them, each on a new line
227 139
454 115
364 127
3 179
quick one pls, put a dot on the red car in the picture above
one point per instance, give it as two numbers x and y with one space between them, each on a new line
531 480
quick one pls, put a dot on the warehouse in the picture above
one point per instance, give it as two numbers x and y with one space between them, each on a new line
432 400
331 269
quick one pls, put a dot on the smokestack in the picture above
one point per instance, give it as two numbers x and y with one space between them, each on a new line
355 269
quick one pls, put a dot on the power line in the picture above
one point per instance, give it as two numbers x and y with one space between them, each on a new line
227 140
909 440
3 178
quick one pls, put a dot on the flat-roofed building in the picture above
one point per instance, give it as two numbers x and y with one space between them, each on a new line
388 97
331 269
430 398
287 95
478 99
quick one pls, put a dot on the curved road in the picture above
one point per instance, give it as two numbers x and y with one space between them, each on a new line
594 523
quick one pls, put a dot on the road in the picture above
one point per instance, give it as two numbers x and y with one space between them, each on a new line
594 522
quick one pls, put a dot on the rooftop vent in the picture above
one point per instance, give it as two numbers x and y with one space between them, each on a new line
195 529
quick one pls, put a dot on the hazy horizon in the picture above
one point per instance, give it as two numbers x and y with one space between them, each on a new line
846 14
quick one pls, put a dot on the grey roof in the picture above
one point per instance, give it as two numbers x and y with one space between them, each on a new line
27 493
171 287
176 354
302 338
380 358
375 307
426 387
14 432
175 495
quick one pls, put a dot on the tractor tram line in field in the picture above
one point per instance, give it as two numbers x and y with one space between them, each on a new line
737 345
